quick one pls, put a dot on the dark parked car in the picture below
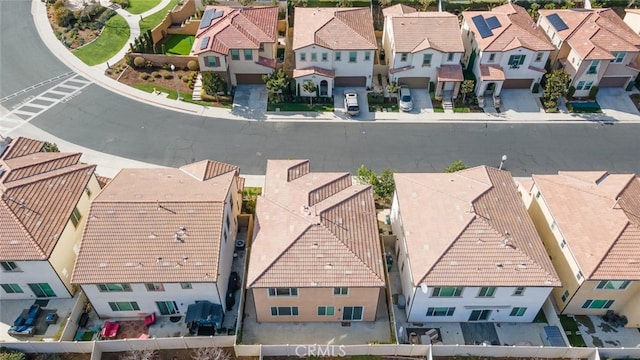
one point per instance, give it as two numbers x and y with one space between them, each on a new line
234 282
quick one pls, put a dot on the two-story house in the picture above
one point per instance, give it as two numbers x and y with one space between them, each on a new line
505 49
160 239
466 248
316 254
632 19
589 222
43 208
333 47
594 46
240 44
421 49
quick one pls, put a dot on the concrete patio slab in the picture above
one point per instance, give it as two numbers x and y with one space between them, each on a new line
596 332
11 309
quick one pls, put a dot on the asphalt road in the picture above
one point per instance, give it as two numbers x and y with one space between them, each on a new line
108 122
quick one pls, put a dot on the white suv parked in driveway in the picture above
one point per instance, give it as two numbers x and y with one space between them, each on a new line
351 102
405 103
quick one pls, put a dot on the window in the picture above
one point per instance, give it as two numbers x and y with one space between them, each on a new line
486 291
338 56
314 57
228 221
303 56
613 284
350 313
597 304
516 60
565 295
450 56
479 315
9 266
619 57
154 287
353 56
212 61
75 216
113 287
579 275
124 306
325 57
87 191
563 243
580 85
261 48
235 54
283 291
518 291
539 56
326 310
284 311
426 60
440 311
186 286
588 85
446 291
42 290
167 307
340 291
367 56
12 288
538 195
403 57
248 54
593 68
518 311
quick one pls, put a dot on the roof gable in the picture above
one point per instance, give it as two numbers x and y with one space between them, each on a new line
335 28
419 31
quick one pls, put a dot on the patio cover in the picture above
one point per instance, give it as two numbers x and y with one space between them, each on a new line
554 337
204 313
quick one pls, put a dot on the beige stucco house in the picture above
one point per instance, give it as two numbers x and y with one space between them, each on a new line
316 254
420 49
590 225
594 46
160 239
632 19
43 208
240 44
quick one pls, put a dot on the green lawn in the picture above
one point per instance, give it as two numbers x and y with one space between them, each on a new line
571 330
140 6
299 107
152 21
186 97
179 44
461 109
114 37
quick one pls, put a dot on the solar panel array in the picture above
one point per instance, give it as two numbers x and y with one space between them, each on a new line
493 22
217 14
206 18
481 25
557 22
205 43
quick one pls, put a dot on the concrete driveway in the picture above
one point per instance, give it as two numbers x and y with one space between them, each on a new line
520 101
250 101
421 101
363 103
614 101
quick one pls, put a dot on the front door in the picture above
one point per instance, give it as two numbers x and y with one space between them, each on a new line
480 315
42 290
352 313
324 86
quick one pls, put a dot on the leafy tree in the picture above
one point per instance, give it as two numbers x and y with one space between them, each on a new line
310 87
139 355
212 83
550 6
276 82
392 88
424 4
465 88
214 353
455 166
556 87
50 147
366 176
384 3
533 11
245 2
570 4
385 185
344 3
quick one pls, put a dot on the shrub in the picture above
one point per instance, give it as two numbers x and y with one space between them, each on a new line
145 76
148 64
139 61
593 92
9 354
166 66
193 65
156 74
123 3
64 16
58 4
129 60
190 84
536 88
167 75
571 91
185 78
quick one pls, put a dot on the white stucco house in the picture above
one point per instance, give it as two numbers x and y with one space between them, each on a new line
334 47
240 44
420 49
505 49
466 248
160 239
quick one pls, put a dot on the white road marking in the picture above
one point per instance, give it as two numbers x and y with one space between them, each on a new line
32 87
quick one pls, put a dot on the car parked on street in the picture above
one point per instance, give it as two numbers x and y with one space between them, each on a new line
405 102
351 102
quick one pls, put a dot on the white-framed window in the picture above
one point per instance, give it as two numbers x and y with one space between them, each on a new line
303 56
565 295
539 56
613 284
367 55
12 288
353 56
580 85
450 57
124 306
340 291
75 216
248 54
261 48
325 56
352 313
426 59
9 266
114 287
579 275
486 291
283 291
338 56
563 243
326 311
154 286
593 68
212 61
518 311
597 304
519 291
516 60
588 85
403 57
619 57
314 56
446 291
167 307
440 311
235 54
284 311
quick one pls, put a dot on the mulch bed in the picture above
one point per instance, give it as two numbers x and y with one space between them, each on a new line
88 35
131 77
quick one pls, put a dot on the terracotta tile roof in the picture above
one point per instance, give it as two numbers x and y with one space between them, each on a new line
314 229
450 73
598 215
401 69
418 31
314 70
39 193
334 28
491 72
238 28
595 33
156 225
470 228
398 10
22 146
103 181
517 30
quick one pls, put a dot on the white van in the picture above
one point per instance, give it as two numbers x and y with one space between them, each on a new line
351 102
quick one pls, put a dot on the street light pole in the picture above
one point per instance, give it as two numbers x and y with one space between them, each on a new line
504 158
175 81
